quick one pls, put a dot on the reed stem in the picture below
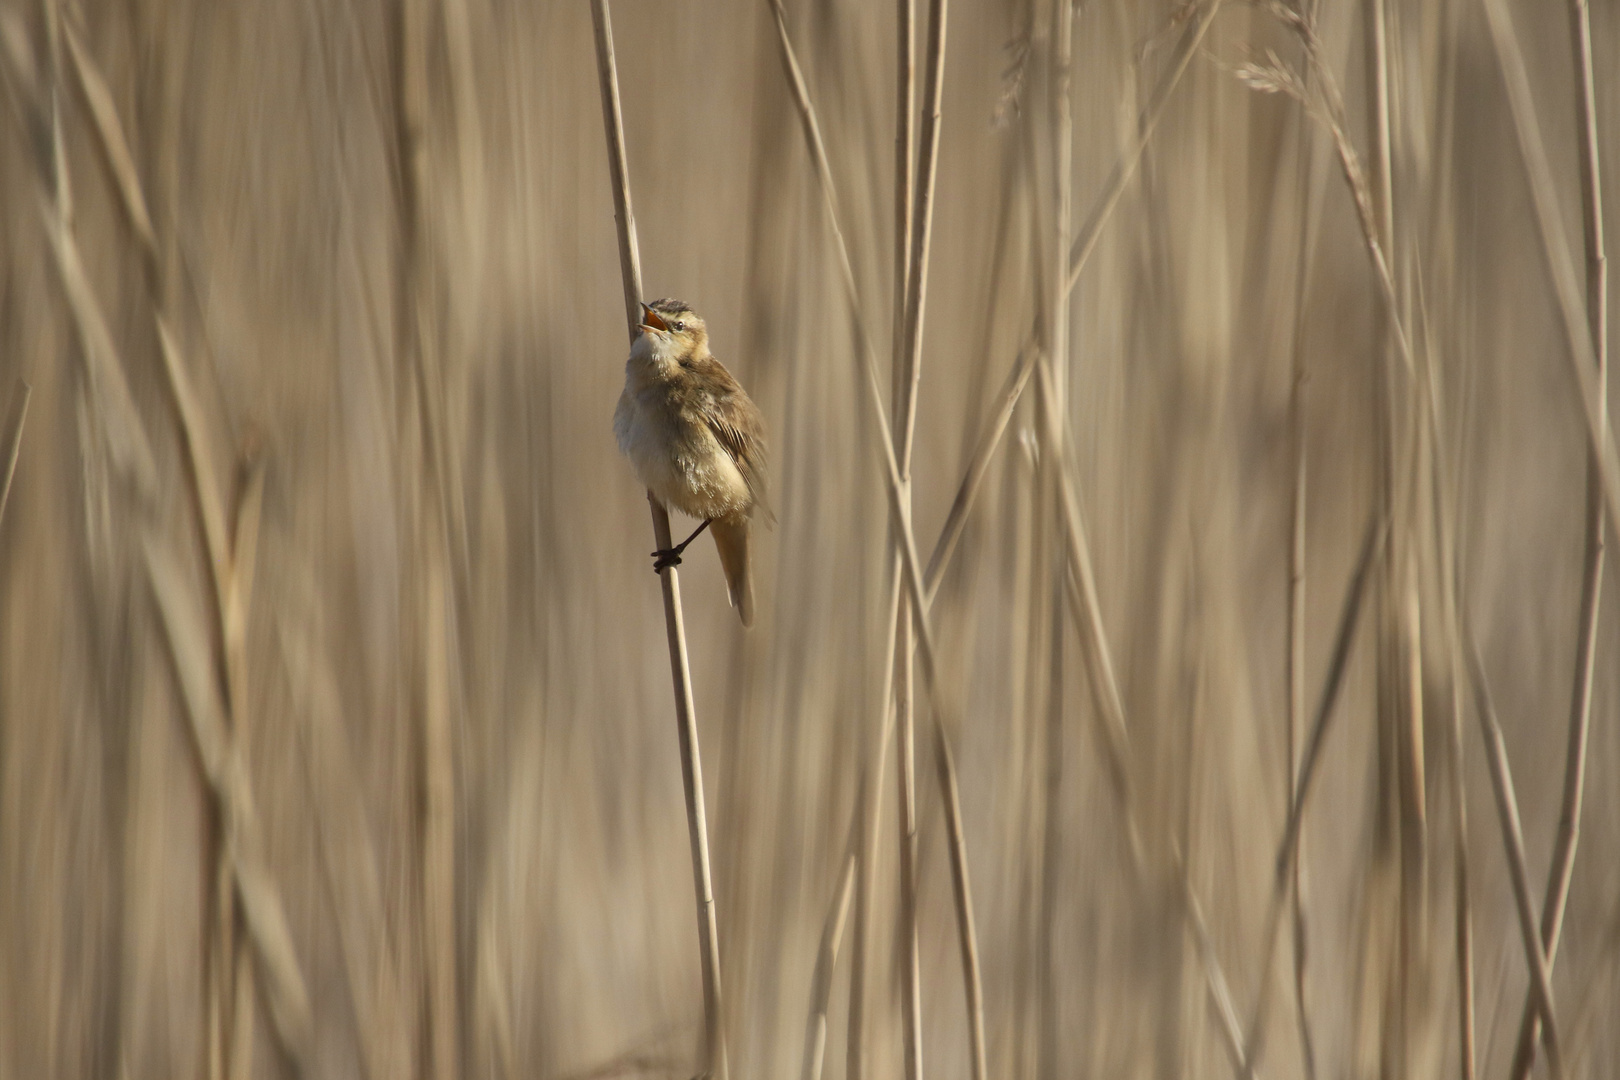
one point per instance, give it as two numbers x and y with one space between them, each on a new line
1580 707
715 1063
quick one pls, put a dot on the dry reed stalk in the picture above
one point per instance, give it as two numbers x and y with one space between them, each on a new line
904 689
1581 355
1052 400
1081 594
349 860
109 390
188 635
419 340
1079 254
874 767
1323 101
1220 993
231 552
469 149
236 605
113 145
1312 176
905 69
715 1062
1445 487
1076 548
978 464
1047 809
937 564
984 449
1081 591
1580 709
1507 809
916 300
1379 152
922 226
1372 547
439 798
1445 490
900 510
1288 849
16 417
1062 105
108 387
905 372
1030 546
231 559
1400 674
1463 916
1085 240
1390 714
832 934
1081 582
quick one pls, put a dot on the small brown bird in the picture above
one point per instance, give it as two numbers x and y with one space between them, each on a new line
695 438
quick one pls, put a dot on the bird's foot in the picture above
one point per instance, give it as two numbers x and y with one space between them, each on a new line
668 557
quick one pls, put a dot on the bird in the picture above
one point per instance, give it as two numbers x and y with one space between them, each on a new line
696 440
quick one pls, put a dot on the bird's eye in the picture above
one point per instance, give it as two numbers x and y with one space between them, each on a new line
677 326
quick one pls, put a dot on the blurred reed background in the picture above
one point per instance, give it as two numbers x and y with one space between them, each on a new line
337 736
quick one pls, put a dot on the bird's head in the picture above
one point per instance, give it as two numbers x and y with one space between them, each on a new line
673 329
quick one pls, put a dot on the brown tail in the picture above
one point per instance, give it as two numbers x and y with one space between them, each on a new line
731 539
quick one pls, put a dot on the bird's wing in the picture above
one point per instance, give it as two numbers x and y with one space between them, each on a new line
738 426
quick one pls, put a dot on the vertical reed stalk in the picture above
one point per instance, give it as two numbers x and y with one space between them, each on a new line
1054 399
1580 708
1311 165
1462 904
897 489
874 761
246 898
15 419
1081 592
832 934
420 342
904 182
873 770
1555 250
905 375
916 302
1399 697
1295 712
1081 588
906 761
1446 488
921 231
1507 808
715 1062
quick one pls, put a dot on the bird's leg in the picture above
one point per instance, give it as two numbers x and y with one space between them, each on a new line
663 560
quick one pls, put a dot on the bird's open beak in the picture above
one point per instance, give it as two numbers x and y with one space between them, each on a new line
651 321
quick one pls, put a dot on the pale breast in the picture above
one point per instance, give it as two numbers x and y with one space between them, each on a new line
677 457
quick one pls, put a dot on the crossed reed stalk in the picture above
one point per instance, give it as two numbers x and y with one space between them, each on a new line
1080 588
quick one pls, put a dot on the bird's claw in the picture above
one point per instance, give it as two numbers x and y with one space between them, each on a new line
663 560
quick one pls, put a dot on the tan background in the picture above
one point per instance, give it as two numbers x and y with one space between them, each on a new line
451 706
